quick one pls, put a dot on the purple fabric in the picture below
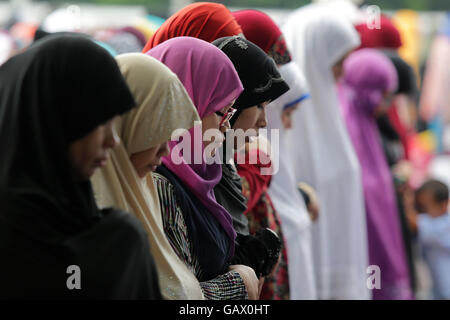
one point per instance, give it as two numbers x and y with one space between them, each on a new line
367 75
212 83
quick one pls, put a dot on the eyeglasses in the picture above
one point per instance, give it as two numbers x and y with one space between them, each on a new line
227 116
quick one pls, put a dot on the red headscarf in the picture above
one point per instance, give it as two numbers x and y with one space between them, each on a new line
387 36
260 29
203 20
257 182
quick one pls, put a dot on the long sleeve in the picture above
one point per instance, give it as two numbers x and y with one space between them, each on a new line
434 231
228 286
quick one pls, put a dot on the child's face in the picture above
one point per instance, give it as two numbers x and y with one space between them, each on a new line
425 202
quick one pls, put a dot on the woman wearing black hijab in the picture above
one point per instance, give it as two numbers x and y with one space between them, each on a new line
262 84
57 103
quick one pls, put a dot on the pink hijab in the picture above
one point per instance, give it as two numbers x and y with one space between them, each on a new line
212 83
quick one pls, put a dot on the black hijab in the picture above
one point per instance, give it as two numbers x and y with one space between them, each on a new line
262 82
406 76
54 93
258 73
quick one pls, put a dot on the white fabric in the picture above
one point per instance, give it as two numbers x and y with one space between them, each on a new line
289 204
324 157
6 47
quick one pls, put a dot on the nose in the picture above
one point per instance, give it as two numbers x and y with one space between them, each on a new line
112 137
262 120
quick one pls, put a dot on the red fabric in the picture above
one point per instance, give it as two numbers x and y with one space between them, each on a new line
258 28
401 129
258 183
261 214
202 20
387 36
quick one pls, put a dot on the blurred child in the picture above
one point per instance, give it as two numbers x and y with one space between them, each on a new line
433 231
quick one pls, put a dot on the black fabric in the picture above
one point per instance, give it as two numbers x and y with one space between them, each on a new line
392 146
229 195
54 93
406 76
260 251
210 242
258 73
40 34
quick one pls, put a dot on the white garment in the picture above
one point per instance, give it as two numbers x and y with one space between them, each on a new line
324 157
287 201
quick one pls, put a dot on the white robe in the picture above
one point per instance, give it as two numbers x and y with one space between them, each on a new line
287 201
324 157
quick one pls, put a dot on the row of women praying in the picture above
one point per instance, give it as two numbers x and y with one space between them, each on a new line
100 196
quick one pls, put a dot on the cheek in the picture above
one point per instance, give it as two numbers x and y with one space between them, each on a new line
94 149
246 121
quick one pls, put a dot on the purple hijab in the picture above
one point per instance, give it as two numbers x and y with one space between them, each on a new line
367 75
212 83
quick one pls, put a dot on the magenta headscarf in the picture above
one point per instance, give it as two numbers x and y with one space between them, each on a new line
367 74
212 83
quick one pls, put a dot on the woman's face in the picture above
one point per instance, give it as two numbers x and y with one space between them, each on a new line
250 118
286 116
212 121
338 68
91 151
146 161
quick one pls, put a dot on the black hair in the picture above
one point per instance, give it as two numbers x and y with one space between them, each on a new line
438 189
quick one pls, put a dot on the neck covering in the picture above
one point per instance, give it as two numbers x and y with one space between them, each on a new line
260 29
212 83
49 219
163 106
203 20
257 71
386 36
324 157
368 74
228 193
288 202
258 183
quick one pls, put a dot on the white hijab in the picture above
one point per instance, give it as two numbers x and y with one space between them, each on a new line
324 157
163 105
289 204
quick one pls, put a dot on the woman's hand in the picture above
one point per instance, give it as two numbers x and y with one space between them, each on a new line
251 281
